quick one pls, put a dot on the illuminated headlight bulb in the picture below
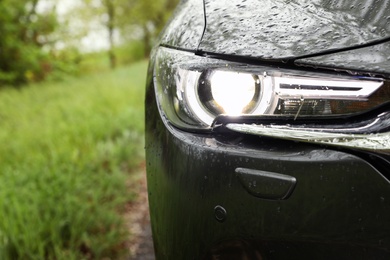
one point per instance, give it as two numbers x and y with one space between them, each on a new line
230 93
233 91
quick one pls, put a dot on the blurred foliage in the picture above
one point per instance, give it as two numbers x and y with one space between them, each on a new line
24 32
151 16
127 18
38 43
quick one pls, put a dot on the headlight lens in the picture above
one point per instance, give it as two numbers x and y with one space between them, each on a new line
232 93
192 91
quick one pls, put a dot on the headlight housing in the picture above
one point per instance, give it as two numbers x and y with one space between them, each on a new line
193 91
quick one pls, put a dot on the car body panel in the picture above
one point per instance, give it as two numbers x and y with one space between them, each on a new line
281 29
374 59
339 206
336 203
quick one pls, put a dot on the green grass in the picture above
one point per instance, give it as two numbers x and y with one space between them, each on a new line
67 151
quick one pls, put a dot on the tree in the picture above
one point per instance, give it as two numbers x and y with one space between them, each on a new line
124 17
110 24
105 14
25 33
151 16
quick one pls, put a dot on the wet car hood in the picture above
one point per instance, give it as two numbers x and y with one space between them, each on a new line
373 60
285 29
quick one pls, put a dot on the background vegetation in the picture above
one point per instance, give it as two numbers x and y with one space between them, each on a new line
42 39
68 154
71 124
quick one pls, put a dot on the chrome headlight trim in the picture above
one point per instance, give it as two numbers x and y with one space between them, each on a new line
378 142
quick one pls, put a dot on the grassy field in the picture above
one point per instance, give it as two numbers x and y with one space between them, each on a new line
67 154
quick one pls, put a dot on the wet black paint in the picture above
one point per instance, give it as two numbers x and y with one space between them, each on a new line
280 29
374 60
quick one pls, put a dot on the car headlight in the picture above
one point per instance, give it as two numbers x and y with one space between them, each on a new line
199 93
194 92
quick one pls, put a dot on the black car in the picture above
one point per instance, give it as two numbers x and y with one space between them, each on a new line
267 130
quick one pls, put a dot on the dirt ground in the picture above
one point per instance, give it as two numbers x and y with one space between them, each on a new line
141 243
